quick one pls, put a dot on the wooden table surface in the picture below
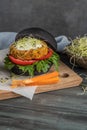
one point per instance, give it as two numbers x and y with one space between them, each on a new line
57 110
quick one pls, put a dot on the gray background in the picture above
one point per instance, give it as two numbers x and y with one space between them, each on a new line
64 109
60 17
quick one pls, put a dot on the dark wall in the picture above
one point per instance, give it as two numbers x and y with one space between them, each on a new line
60 17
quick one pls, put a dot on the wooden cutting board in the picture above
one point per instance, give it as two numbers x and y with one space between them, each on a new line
68 78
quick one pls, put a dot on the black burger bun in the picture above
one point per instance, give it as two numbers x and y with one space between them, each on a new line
38 33
18 71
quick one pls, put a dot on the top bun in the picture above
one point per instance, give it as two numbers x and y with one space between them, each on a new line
38 33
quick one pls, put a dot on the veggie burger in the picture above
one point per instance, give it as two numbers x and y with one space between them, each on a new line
30 56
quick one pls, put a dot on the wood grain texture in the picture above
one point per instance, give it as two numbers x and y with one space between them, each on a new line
68 78
64 109
57 110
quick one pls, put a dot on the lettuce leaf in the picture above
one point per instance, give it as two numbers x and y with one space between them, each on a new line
39 66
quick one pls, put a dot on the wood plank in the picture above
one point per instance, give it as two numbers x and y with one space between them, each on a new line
67 76
68 79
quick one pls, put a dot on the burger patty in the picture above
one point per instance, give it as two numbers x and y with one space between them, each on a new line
29 54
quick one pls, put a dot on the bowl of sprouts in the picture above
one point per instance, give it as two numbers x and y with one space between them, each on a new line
77 52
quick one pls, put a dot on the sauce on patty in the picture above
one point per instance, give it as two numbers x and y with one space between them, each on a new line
28 43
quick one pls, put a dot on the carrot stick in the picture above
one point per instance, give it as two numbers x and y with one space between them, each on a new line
24 82
41 77
16 83
43 82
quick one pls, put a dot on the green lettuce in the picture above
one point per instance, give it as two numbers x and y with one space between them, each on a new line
39 66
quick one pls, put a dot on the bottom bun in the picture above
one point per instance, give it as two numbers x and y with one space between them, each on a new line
18 71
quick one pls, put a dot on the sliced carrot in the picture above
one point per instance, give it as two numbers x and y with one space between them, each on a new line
36 80
16 83
45 82
41 77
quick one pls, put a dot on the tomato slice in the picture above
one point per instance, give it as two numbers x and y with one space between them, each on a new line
50 52
30 62
21 62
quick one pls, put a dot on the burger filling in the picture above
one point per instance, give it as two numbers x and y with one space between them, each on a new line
28 49
30 55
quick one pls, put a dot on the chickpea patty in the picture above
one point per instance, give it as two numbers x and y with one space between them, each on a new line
28 48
